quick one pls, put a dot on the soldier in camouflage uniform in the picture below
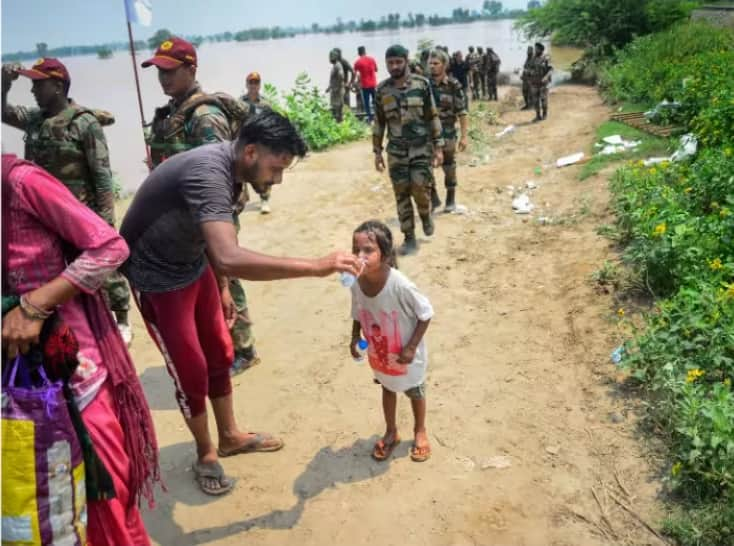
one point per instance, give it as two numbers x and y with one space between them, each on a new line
526 78
473 60
482 71
336 86
256 104
451 103
493 62
404 106
540 77
191 119
67 140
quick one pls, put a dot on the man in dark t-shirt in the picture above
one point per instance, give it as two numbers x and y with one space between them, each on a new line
183 246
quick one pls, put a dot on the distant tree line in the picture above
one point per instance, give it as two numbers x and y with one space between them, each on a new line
490 10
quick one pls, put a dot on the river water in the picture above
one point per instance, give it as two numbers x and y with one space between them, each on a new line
109 84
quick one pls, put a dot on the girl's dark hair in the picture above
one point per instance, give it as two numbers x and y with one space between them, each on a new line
383 238
274 131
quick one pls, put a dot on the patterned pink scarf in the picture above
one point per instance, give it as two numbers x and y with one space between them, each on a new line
134 414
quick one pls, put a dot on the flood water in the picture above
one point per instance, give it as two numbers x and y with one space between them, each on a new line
109 84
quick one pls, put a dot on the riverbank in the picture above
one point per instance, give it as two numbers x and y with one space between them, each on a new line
526 418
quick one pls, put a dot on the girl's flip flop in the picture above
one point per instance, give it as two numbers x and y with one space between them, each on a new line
383 450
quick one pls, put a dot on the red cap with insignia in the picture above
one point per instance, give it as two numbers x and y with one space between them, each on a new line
171 54
45 69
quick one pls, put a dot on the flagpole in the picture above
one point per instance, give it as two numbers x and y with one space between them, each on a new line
149 161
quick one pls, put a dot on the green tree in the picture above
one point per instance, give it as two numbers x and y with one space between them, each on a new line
604 24
492 8
159 37
533 4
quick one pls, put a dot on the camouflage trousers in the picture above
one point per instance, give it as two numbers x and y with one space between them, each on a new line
526 93
539 97
449 163
337 108
241 331
492 86
117 293
483 81
412 177
476 85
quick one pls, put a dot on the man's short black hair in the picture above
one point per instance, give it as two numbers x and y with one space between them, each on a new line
274 131
361 50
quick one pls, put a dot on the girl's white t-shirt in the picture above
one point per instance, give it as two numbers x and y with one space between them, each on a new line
388 321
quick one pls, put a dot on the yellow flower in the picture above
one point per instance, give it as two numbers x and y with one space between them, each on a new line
660 230
715 205
677 467
653 171
620 312
688 189
694 374
727 382
728 152
715 264
730 290
724 212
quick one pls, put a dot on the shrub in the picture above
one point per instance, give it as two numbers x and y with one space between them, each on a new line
309 111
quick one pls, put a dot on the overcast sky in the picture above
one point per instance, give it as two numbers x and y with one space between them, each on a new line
81 22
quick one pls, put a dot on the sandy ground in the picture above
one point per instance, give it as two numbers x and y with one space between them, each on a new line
519 368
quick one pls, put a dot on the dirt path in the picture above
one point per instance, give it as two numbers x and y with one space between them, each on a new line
519 367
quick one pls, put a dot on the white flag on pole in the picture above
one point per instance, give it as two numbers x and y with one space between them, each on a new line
139 11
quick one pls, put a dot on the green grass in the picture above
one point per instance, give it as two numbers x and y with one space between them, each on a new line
629 107
650 146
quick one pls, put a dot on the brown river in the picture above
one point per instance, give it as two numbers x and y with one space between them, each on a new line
109 84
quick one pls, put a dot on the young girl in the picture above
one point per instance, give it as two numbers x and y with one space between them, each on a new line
393 316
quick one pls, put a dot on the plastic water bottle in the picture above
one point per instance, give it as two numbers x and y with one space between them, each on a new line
347 279
361 348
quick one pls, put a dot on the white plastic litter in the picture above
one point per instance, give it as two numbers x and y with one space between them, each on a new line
615 140
569 160
531 185
522 205
615 144
655 161
506 131
688 148
460 209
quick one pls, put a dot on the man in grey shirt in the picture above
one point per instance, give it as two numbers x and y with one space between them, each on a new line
183 247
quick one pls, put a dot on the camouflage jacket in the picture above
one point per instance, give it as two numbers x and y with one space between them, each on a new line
474 61
539 70
408 113
491 63
336 83
172 134
451 103
255 107
72 147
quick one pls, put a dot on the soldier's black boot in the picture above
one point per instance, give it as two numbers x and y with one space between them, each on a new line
435 200
450 200
428 226
545 113
538 117
409 246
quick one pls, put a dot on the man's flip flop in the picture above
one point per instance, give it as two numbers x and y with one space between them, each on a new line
383 450
420 454
260 443
206 473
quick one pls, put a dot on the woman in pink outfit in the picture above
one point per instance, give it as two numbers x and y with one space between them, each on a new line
56 254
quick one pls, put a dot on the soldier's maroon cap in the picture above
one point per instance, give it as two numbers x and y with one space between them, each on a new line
45 69
171 54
